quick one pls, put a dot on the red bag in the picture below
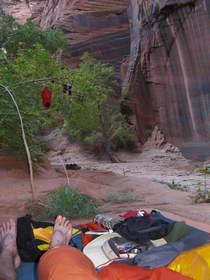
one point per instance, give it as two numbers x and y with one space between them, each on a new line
86 238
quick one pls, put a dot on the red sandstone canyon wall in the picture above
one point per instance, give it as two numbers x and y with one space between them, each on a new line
95 26
164 44
168 80
99 27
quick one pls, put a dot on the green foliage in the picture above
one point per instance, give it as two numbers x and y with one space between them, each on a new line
120 197
67 202
28 65
15 36
90 116
202 195
26 54
205 171
92 139
124 139
175 186
91 85
178 187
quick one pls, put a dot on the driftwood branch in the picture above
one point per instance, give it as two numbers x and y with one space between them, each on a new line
24 141
65 170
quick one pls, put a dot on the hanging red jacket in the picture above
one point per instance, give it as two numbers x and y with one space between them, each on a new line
46 97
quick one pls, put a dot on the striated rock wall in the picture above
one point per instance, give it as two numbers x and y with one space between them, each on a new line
99 27
159 47
168 80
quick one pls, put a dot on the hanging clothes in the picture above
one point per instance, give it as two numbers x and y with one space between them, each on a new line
46 95
67 89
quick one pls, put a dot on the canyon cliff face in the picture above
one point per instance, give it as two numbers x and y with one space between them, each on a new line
98 27
168 80
162 47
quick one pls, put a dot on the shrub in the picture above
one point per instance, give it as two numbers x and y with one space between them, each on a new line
31 64
120 197
67 202
124 139
201 196
26 54
175 186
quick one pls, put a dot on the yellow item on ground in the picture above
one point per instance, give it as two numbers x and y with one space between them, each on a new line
45 234
194 263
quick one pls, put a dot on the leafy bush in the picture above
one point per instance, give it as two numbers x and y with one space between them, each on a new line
175 186
15 36
124 139
91 86
93 139
26 54
120 197
178 187
28 65
203 193
201 196
67 202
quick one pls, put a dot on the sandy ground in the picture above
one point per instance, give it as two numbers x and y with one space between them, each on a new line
139 175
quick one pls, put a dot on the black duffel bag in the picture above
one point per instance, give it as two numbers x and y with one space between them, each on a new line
143 229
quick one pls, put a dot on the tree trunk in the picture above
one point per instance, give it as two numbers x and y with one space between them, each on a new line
109 151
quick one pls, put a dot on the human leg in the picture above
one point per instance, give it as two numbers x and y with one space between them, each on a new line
9 258
63 262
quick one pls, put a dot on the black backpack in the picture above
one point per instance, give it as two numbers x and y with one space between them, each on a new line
27 245
143 229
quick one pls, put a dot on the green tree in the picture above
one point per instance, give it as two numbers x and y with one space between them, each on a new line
26 53
31 64
15 36
91 115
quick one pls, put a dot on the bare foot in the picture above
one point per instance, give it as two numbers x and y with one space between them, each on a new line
17 261
62 232
8 252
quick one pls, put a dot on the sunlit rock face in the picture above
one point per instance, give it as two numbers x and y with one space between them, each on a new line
95 26
23 9
99 27
168 81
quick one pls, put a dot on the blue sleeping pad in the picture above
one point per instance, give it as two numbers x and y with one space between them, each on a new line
27 271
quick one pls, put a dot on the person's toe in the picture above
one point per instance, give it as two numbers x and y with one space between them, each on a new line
4 228
17 261
58 220
66 223
63 221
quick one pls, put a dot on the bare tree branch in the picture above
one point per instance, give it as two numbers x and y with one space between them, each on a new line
33 81
24 141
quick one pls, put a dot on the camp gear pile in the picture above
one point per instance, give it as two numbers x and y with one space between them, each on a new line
135 244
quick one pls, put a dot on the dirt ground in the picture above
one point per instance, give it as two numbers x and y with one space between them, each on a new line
141 175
